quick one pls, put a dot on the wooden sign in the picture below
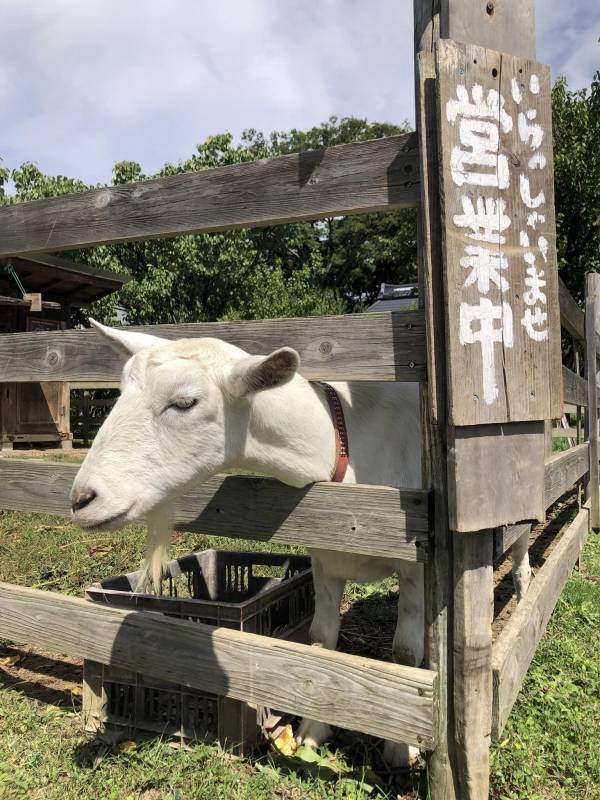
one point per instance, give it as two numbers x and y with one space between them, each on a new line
497 197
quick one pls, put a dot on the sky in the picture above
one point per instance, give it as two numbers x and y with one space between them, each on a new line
86 84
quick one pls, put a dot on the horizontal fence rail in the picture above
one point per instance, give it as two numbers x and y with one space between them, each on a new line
572 317
352 178
507 535
561 473
516 646
357 693
564 433
380 346
563 470
371 520
575 388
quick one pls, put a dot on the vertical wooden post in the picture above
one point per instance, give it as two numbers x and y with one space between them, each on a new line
438 577
459 600
578 421
577 371
473 616
548 426
85 410
592 319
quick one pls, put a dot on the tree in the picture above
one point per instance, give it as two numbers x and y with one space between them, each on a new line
576 131
325 267
329 266
360 252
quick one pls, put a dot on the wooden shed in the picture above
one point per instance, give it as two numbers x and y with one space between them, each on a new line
39 412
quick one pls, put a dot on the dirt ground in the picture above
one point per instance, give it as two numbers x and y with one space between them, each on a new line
52 679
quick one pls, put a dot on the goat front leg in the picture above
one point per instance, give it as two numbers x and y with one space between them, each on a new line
409 646
324 632
521 570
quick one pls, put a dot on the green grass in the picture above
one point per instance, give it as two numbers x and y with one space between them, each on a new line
43 755
549 749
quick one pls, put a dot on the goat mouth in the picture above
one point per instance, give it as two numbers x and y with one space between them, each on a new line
109 523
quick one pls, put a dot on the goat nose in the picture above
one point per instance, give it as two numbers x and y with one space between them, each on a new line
82 498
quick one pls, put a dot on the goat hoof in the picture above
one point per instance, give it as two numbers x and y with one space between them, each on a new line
313 733
398 755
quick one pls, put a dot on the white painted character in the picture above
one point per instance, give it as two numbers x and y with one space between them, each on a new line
532 320
485 220
525 192
535 283
531 133
488 334
478 160
486 266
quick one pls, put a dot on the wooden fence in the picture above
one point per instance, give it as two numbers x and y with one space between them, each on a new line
489 469
89 409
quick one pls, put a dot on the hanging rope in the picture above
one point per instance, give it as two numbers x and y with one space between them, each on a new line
11 271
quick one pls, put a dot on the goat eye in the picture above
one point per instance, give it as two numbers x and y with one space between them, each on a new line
183 403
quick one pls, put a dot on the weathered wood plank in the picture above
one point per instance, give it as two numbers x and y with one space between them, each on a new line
438 571
351 178
503 464
504 343
27 302
563 470
361 694
575 388
508 26
592 319
469 22
506 536
384 346
564 433
572 317
516 646
473 614
375 520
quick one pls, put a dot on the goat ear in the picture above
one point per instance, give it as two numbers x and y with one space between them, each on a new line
127 343
255 373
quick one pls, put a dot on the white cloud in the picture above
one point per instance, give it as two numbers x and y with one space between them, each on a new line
568 35
85 84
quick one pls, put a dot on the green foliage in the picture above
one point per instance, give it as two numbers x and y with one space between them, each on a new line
576 130
324 267
4 176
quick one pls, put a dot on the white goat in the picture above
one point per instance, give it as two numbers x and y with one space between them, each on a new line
195 407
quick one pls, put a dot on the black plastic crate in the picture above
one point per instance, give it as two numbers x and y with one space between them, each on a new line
270 594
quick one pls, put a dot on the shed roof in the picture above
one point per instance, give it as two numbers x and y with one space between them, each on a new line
60 279
393 304
396 296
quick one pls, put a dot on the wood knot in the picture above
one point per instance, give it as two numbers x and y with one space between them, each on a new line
103 199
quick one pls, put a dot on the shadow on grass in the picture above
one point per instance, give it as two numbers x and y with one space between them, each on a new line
47 679
367 629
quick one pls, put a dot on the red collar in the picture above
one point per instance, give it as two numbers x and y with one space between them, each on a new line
342 451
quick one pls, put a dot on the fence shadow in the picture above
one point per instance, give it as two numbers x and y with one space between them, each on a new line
367 629
40 677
